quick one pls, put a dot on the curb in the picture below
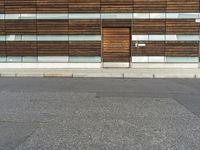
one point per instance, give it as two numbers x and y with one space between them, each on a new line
101 75
98 75
57 75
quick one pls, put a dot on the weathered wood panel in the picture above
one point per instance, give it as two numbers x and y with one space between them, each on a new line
85 48
20 27
84 27
52 6
149 5
116 6
76 6
116 44
183 6
53 48
144 26
150 49
21 48
182 49
20 6
116 23
2 27
55 26
182 26
2 11
2 48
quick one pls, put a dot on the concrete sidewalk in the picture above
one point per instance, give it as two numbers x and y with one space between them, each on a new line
102 73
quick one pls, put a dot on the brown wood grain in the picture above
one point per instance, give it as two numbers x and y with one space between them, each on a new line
116 44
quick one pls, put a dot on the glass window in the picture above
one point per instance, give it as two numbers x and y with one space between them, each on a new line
85 37
182 59
92 59
141 15
157 15
13 38
156 37
29 59
2 59
140 59
85 16
12 16
52 38
52 59
182 15
52 16
14 59
28 16
140 37
116 15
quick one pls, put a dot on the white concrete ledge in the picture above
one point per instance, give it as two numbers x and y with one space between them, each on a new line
175 75
64 75
138 75
165 65
49 65
98 75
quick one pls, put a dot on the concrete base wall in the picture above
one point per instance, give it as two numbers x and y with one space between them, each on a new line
100 65
165 65
50 65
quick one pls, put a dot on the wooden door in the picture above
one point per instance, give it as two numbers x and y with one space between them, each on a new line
116 44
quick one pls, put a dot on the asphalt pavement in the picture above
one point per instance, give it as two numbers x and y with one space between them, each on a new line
99 114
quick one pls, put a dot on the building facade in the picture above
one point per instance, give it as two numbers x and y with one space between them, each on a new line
99 33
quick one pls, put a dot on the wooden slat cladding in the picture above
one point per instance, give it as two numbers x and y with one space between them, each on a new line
84 27
2 49
84 48
182 26
21 48
116 44
144 26
182 49
56 48
76 6
52 26
116 6
52 6
151 49
20 26
2 11
116 23
183 6
149 5
20 6
2 27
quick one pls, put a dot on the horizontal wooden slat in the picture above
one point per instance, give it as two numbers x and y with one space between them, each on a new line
149 5
116 44
182 26
52 6
85 27
144 26
2 49
53 49
76 6
182 49
52 26
2 27
150 49
20 6
117 6
183 6
116 23
20 26
85 48
21 48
